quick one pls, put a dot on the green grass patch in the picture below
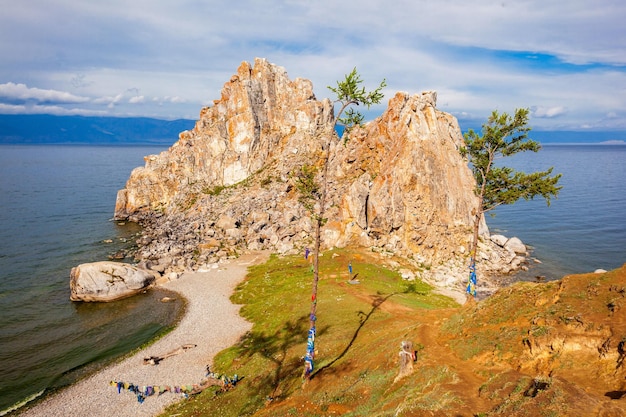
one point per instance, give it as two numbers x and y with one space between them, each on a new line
215 190
276 298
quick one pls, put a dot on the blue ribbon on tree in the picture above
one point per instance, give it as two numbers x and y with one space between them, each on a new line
310 351
471 284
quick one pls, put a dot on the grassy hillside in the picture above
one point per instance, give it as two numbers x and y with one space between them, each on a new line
530 350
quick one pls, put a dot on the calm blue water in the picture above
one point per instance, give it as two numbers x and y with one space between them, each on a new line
56 203
585 227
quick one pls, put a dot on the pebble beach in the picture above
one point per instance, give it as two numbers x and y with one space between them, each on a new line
210 324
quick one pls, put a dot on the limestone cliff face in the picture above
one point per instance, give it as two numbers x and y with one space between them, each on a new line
398 185
401 180
259 114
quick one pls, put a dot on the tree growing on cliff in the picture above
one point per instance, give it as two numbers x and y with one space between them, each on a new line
312 187
503 136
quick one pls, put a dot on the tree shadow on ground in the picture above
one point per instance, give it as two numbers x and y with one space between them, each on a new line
377 301
275 348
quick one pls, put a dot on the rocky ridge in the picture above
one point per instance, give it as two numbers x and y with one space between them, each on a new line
398 185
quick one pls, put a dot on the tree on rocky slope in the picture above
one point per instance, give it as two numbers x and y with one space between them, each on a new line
503 136
312 187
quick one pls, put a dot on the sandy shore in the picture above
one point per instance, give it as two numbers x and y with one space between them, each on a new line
212 323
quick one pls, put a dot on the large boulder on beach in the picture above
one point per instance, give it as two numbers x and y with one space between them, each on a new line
107 281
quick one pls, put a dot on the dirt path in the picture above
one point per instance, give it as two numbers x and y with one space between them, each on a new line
437 352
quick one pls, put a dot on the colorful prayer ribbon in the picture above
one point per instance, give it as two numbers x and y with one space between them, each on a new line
471 282
149 390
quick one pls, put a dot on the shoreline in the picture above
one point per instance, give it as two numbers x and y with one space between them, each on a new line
211 324
92 368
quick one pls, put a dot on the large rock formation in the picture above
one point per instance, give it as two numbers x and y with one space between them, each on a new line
398 185
107 281
261 118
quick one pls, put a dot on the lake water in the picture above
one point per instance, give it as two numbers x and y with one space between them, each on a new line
55 209
56 203
585 227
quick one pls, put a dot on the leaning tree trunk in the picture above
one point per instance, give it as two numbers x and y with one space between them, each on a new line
310 348
474 247
310 353
471 281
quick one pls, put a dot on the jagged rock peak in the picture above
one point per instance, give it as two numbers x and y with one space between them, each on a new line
259 113
399 184
411 174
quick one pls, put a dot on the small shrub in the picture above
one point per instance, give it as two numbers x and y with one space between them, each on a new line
214 191
266 181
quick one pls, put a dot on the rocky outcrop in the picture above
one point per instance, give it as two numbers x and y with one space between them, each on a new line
107 281
398 185
262 117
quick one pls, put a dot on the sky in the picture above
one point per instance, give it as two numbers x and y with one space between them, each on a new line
565 60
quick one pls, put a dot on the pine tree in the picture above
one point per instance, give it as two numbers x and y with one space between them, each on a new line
503 136
312 187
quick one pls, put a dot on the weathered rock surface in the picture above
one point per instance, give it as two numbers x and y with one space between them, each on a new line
516 245
107 281
262 117
398 185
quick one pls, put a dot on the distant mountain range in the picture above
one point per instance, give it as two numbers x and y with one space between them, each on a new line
48 129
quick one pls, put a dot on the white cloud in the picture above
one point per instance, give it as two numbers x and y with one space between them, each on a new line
547 112
12 108
109 99
565 59
21 93
168 99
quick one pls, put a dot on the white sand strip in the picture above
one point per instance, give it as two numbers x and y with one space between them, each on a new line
212 323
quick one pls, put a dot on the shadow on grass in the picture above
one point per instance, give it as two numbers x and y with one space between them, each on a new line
275 348
377 301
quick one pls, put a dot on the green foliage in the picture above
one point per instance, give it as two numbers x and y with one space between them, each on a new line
350 92
307 186
503 136
215 190
266 181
